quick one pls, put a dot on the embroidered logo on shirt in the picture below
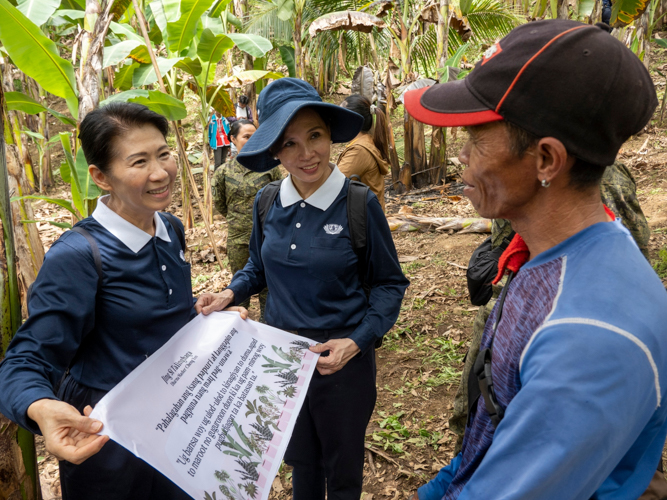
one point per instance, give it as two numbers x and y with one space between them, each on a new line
182 256
333 228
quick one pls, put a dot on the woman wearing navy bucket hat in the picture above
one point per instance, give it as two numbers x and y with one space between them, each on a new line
320 286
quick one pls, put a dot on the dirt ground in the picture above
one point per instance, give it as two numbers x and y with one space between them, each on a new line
419 364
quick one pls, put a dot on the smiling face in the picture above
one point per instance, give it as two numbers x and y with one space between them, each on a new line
498 183
304 150
245 133
141 176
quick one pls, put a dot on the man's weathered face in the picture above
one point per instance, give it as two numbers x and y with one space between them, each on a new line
498 184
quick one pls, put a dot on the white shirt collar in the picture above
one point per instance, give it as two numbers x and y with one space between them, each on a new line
322 198
130 235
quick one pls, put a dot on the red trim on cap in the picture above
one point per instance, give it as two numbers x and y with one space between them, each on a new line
412 101
516 78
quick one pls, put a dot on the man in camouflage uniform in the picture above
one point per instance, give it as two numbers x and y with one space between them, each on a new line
619 193
234 189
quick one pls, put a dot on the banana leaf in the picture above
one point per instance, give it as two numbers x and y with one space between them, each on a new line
36 55
287 55
122 79
182 31
66 204
114 54
21 102
624 12
125 29
190 66
169 107
145 74
38 11
218 8
212 47
255 45
119 8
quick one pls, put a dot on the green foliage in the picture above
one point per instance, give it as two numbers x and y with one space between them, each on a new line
38 11
36 55
255 45
660 265
21 102
114 54
287 56
169 107
181 32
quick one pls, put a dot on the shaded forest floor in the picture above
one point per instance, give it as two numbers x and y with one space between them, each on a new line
419 364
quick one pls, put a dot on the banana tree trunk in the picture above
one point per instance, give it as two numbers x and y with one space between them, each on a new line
19 477
96 24
393 155
298 50
438 159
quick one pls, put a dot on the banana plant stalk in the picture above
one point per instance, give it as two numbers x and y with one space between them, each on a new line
177 132
19 475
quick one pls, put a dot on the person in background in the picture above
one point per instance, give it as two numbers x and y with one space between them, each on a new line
218 139
367 156
95 325
234 189
243 110
319 287
567 393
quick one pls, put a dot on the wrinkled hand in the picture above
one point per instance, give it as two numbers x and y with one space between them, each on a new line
340 352
210 302
67 434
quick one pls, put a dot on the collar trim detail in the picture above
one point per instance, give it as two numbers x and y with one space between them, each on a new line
130 235
322 198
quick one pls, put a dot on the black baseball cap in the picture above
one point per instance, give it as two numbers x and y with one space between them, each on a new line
554 78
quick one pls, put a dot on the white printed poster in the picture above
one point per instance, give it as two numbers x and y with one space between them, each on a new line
214 408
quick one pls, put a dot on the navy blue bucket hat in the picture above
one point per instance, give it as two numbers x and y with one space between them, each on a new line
278 103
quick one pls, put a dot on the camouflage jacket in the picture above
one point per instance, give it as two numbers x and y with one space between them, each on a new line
234 189
619 193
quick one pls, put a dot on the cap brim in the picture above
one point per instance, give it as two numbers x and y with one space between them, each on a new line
448 104
345 126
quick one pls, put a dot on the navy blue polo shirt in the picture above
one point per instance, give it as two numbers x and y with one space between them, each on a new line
146 297
311 270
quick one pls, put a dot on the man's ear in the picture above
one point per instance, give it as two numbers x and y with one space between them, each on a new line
554 163
99 178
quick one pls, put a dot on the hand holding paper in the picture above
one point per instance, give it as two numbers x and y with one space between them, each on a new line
214 408
68 435
211 302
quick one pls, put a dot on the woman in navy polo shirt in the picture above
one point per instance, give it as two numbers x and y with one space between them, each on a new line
99 336
306 258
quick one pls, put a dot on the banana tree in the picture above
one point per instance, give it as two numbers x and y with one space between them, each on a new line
19 477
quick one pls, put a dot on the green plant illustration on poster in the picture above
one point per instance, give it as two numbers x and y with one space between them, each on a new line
249 448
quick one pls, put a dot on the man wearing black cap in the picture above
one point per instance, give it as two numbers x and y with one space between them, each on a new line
566 394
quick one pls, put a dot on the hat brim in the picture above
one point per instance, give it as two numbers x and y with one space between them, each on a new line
345 126
448 104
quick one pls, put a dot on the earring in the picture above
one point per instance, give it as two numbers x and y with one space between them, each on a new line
545 184
275 157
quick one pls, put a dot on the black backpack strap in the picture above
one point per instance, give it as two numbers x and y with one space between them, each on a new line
357 194
97 258
177 228
266 199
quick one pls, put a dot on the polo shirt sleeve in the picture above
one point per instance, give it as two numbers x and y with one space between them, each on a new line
251 280
578 412
385 277
62 312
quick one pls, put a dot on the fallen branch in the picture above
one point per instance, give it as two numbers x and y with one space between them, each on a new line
382 454
457 265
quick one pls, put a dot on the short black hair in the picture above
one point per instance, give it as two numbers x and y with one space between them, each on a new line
102 125
583 175
243 99
236 127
